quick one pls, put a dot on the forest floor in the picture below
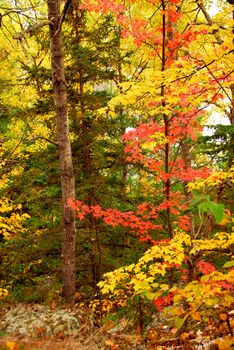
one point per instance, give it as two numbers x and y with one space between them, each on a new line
39 327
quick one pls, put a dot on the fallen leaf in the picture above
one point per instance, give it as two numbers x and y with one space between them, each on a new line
173 330
11 345
224 344
196 316
152 334
223 316
184 337
109 342
199 332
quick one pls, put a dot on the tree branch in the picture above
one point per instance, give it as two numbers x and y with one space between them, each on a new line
31 29
209 20
64 12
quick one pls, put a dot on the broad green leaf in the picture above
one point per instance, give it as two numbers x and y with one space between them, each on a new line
217 209
199 198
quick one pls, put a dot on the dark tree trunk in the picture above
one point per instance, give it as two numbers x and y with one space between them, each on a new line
65 156
166 124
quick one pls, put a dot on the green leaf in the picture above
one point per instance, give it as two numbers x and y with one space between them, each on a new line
199 198
179 322
217 210
229 264
149 295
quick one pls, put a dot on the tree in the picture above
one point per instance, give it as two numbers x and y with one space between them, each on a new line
169 101
93 66
98 158
143 69
64 146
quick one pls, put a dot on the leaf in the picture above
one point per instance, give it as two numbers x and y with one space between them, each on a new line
196 315
179 322
177 297
199 198
229 264
152 334
11 345
109 342
217 209
224 344
149 295
164 287
184 337
228 300
223 316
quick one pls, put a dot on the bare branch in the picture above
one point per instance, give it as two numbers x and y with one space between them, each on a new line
31 29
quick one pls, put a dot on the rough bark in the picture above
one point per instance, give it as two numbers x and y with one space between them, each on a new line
65 156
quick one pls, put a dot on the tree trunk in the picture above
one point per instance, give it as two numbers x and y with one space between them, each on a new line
65 156
166 120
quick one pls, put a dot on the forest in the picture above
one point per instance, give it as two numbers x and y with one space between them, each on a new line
116 174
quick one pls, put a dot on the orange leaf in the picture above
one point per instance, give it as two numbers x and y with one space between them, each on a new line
196 316
152 334
109 342
184 337
223 316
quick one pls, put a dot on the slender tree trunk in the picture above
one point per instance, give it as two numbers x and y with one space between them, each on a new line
186 156
65 156
166 124
231 115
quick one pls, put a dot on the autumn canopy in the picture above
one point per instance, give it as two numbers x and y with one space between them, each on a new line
117 170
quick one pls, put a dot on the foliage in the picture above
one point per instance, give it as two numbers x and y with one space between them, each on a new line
154 202
149 278
11 222
214 179
218 145
168 103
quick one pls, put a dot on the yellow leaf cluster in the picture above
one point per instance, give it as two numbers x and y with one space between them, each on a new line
208 291
143 278
11 220
157 139
212 180
221 240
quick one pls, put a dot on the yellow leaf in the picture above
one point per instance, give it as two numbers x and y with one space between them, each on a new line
11 345
3 293
164 286
227 300
109 342
224 344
